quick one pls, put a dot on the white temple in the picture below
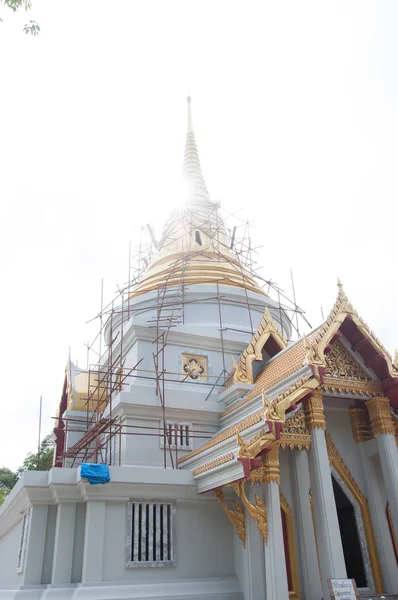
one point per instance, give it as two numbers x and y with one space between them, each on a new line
243 465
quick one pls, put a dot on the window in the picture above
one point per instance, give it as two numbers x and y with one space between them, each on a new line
178 435
198 239
23 542
150 540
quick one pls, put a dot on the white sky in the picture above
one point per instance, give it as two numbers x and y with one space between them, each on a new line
296 120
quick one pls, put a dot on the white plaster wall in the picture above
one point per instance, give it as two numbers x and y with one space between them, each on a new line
146 450
49 545
239 560
9 546
78 543
204 544
339 426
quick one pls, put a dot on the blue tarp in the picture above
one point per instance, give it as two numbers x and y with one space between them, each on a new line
95 473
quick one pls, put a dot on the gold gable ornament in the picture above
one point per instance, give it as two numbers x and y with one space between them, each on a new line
243 367
344 375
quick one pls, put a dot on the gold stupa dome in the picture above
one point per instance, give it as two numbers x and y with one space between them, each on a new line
195 247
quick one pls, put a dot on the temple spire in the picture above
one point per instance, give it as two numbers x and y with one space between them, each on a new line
192 172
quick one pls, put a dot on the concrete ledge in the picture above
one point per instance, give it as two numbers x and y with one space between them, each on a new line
187 589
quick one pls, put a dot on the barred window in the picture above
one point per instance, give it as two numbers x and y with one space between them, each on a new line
150 534
178 436
22 542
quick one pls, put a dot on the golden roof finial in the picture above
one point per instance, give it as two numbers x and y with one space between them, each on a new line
341 295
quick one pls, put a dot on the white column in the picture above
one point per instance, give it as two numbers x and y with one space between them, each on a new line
253 555
276 585
307 552
383 430
361 433
275 563
94 535
63 543
330 549
35 546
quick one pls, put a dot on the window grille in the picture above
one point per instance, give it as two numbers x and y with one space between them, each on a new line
151 534
178 435
23 542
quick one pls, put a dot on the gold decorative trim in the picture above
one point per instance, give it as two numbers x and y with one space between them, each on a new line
269 469
225 435
258 511
392 531
297 385
300 441
284 402
271 465
360 425
294 594
214 463
253 447
380 416
340 386
342 307
341 468
236 517
243 367
295 433
344 375
313 411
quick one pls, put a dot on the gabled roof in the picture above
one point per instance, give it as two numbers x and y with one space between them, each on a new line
321 351
266 337
312 350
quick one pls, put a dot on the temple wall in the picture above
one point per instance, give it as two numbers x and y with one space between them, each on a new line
78 543
146 450
339 427
49 544
9 546
204 544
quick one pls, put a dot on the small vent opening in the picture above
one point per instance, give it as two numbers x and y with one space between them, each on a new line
151 534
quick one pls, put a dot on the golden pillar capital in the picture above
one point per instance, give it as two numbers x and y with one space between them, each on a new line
380 415
360 425
313 411
269 470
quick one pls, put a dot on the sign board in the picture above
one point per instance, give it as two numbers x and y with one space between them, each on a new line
343 589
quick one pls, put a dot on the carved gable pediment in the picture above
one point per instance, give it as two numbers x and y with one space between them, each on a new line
344 374
243 368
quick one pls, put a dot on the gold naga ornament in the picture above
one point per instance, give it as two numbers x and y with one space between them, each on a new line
257 511
273 414
236 517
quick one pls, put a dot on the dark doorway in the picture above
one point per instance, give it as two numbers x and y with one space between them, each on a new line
349 537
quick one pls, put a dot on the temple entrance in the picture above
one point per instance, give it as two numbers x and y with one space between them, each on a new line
349 537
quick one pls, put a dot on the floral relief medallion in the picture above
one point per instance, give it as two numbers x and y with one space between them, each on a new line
194 367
